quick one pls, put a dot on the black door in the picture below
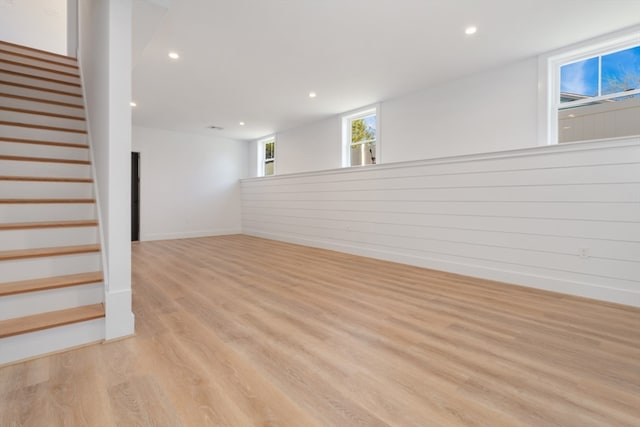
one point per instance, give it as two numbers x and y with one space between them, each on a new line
135 197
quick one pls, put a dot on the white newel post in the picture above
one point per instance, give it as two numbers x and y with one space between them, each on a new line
120 319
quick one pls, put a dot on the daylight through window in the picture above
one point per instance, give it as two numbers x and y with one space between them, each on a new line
267 157
360 138
598 96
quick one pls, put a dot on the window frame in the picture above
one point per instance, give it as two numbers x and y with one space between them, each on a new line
262 160
347 119
549 77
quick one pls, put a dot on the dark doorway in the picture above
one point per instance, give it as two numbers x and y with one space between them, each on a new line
135 197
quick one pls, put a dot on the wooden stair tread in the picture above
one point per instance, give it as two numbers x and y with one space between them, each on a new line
52 319
46 252
44 79
44 179
44 201
44 160
42 113
35 285
43 142
40 100
44 127
35 67
37 58
48 224
40 51
26 86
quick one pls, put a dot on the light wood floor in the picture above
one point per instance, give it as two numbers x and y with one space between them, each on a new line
240 331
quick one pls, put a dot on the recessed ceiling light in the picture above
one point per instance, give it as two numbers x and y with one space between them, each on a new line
173 55
572 115
133 104
470 30
242 123
312 95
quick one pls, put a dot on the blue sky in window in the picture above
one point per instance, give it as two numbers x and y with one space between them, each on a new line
620 71
580 78
370 122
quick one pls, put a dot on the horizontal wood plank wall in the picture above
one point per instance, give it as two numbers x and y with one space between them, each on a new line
563 218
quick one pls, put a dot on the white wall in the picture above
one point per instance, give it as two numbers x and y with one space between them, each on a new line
316 146
105 60
72 28
491 111
41 24
189 184
522 216
313 147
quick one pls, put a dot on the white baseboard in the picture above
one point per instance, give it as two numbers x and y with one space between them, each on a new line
189 234
120 320
587 290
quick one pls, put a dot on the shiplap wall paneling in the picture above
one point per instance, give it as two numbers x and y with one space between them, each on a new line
564 218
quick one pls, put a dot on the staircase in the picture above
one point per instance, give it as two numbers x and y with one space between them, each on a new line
51 283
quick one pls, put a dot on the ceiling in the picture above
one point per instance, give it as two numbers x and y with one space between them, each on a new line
256 61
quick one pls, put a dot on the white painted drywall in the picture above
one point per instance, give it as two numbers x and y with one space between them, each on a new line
105 58
41 24
251 162
492 111
189 184
72 28
314 147
561 217
147 17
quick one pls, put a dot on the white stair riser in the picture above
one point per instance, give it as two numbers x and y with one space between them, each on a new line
42 120
30 303
38 54
46 151
43 190
40 94
41 73
31 81
47 238
36 268
37 62
47 212
22 132
42 169
51 340
41 106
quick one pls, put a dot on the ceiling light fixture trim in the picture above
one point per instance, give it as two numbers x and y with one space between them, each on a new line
471 30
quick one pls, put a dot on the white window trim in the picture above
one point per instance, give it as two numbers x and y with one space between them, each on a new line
261 152
346 132
549 75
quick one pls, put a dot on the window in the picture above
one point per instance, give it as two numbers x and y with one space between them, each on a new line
600 78
360 142
267 157
592 91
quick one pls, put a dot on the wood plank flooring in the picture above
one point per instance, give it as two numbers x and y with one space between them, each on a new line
241 331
